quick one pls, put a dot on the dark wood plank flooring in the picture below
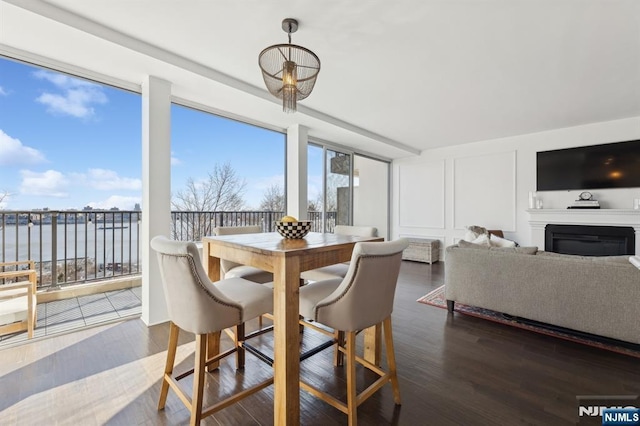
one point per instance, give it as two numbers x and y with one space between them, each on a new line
454 370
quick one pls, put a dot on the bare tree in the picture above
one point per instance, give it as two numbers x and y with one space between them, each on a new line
273 199
221 191
332 201
315 205
3 196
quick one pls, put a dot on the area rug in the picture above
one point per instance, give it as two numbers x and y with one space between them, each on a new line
436 298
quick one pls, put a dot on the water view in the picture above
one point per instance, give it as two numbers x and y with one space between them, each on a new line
82 252
113 242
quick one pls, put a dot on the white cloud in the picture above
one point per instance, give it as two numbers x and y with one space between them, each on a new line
121 202
62 81
107 180
12 152
175 161
51 183
77 95
3 92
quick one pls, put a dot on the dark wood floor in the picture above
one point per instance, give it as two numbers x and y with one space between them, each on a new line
454 370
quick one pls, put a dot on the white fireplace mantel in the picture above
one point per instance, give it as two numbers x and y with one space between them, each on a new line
540 218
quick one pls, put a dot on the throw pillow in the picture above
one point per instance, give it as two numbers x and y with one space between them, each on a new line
501 242
474 232
520 250
482 240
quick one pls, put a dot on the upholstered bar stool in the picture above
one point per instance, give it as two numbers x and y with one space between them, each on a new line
339 270
362 299
231 269
202 307
235 270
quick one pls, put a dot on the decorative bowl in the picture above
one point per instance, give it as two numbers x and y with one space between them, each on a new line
293 230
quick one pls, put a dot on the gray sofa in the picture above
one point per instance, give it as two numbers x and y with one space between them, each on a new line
597 295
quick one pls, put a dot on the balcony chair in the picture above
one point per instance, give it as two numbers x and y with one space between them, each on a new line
362 299
18 297
198 306
339 270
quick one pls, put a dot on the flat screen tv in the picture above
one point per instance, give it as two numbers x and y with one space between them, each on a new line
611 165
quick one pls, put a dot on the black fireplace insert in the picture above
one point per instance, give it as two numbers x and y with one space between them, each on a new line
587 240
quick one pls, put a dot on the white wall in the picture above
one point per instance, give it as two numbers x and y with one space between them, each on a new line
487 183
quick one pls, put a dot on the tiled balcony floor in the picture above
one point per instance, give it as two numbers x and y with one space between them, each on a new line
65 315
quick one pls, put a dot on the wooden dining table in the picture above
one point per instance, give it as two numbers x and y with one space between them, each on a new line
286 259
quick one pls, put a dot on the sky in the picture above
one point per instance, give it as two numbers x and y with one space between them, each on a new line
67 143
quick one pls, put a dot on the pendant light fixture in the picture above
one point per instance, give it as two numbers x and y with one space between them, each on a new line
289 71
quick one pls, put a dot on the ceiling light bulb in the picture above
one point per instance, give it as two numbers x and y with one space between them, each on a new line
289 89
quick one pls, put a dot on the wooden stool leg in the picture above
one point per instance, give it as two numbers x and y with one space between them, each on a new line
168 368
338 355
213 349
351 379
198 379
391 359
240 352
372 344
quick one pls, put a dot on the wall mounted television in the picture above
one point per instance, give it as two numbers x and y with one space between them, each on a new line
610 165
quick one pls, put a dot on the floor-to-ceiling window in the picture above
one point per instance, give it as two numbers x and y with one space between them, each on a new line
223 173
315 187
66 142
70 174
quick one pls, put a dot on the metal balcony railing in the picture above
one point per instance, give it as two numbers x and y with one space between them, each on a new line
73 247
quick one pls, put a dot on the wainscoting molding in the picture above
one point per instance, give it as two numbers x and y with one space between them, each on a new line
490 201
422 195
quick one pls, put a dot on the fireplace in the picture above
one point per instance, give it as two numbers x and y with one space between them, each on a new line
540 218
590 240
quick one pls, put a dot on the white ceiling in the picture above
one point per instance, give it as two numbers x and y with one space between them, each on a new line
397 77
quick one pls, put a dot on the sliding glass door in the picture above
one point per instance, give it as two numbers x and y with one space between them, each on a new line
337 189
347 189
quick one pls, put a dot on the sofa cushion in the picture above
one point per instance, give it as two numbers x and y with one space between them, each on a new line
501 242
603 259
521 250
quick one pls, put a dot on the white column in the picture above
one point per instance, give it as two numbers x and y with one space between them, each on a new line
297 141
156 191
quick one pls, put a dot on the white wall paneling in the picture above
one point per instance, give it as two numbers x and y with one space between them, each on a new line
475 193
421 195
484 191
